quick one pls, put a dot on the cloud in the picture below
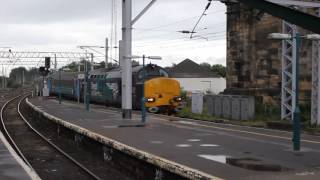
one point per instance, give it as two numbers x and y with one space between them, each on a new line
49 11
43 25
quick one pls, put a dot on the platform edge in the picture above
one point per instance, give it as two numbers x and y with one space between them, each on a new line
163 163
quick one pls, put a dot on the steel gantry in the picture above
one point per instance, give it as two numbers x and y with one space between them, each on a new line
30 54
278 8
289 80
34 58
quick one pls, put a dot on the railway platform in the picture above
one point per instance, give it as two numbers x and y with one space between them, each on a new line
219 150
10 167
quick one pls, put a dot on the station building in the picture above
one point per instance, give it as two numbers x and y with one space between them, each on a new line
195 78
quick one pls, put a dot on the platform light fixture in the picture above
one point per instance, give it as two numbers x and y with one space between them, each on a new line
314 37
279 36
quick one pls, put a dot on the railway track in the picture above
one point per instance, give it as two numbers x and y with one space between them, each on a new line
38 152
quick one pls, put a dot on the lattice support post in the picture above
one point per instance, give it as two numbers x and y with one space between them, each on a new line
289 54
315 94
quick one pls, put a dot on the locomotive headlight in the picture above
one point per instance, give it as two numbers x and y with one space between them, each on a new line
177 99
151 99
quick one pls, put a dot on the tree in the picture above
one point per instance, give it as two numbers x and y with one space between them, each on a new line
219 69
216 68
205 65
135 63
110 65
73 67
17 75
21 75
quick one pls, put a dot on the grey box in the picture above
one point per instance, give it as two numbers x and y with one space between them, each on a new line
210 104
247 108
218 106
236 107
226 106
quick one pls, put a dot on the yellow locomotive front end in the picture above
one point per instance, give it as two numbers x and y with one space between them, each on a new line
162 95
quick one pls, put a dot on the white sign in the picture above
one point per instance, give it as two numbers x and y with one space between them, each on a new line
80 76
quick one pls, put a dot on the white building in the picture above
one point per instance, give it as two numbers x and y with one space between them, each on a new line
195 78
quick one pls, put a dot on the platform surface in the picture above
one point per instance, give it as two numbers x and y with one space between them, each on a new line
10 169
200 145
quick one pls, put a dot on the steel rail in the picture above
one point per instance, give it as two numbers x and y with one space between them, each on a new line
55 146
8 135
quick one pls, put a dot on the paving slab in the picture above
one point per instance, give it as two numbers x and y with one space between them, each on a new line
10 167
207 147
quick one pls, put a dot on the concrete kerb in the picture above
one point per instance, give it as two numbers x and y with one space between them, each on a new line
165 164
32 174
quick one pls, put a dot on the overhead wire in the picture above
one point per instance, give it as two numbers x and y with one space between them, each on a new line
165 34
174 46
181 40
203 14
176 22
178 38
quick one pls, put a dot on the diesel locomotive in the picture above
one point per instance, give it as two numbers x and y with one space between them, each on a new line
162 93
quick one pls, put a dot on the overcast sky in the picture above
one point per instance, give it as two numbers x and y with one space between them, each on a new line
62 25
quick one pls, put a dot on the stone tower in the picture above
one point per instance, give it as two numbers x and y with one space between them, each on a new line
254 61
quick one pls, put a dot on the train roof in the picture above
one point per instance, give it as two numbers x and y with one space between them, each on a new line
103 70
65 75
100 73
135 69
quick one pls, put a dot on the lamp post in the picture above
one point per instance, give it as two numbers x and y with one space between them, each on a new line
143 108
60 86
296 111
78 82
88 88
